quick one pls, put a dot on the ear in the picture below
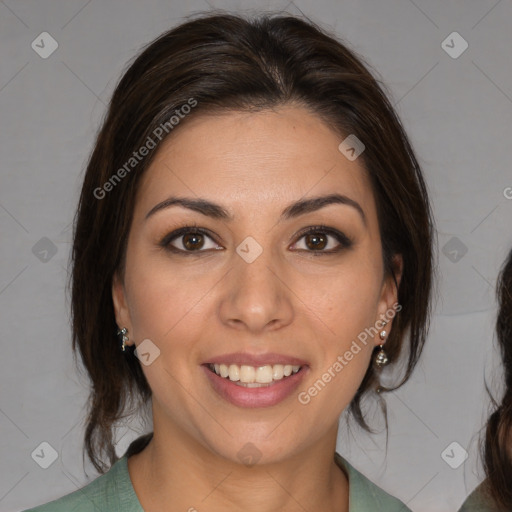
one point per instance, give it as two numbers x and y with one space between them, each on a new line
120 303
389 296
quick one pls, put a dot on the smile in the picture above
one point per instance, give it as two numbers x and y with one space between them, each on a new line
254 376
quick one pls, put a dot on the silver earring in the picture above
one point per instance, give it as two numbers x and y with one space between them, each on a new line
123 332
381 359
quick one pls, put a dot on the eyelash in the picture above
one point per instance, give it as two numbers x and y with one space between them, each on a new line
342 239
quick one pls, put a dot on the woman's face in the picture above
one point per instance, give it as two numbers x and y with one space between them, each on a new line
246 287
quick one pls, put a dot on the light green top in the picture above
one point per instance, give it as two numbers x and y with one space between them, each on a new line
478 502
113 492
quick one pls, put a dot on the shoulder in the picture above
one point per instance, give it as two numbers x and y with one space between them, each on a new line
111 491
365 495
478 501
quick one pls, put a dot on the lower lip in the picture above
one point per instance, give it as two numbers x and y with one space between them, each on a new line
255 397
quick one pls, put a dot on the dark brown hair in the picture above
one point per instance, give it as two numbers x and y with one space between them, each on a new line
228 63
497 449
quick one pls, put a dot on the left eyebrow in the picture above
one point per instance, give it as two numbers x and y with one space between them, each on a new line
316 203
293 210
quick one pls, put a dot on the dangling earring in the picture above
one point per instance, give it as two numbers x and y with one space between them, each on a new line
381 359
123 332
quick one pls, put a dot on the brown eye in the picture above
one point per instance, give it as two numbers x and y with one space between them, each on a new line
322 240
193 241
189 240
316 241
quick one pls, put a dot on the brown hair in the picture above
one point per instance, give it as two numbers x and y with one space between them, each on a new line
224 62
497 449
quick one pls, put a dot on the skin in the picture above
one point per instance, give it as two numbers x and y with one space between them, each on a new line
198 305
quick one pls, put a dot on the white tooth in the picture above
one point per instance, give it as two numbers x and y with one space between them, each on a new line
247 373
250 374
264 374
224 370
277 371
234 372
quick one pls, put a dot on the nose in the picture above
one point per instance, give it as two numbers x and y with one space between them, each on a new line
256 297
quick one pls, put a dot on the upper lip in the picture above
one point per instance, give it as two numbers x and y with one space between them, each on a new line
269 358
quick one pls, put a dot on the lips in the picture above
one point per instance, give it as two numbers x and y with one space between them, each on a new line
255 394
265 395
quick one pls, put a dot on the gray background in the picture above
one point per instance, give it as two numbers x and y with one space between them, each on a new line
458 113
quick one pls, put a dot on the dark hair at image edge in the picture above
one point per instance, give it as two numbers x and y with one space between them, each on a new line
497 445
229 63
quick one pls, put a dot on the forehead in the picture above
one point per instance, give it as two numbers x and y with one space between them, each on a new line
246 160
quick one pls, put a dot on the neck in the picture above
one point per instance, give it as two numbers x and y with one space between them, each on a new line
176 472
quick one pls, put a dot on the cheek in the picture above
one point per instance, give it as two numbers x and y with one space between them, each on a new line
345 307
346 300
161 300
